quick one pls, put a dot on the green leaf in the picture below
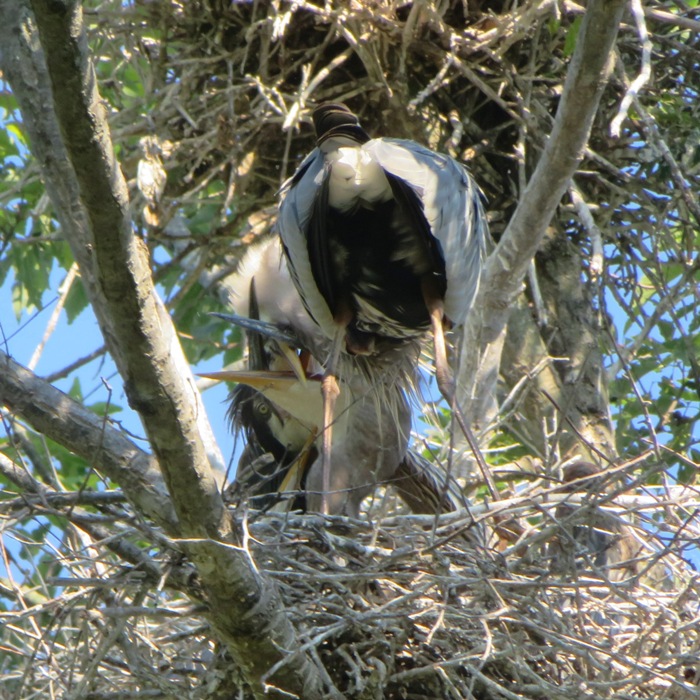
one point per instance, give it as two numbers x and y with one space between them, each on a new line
14 129
76 300
103 407
7 146
76 391
32 264
553 25
72 468
571 36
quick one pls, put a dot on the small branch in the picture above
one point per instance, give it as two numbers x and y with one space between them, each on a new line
582 209
61 500
55 314
669 18
538 301
644 73
68 369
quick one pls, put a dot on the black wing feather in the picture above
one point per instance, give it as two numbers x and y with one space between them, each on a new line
317 241
429 251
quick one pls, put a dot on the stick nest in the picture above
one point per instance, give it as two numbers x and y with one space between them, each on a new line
400 606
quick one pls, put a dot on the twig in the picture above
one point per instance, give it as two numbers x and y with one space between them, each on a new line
644 72
63 292
73 366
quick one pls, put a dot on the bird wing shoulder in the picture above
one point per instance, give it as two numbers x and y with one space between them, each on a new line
298 203
452 206
297 194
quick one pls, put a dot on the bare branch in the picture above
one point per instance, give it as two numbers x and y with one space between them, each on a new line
596 263
55 315
674 19
65 421
644 73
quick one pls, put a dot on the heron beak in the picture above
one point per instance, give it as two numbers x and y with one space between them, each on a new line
286 341
293 360
261 380
269 330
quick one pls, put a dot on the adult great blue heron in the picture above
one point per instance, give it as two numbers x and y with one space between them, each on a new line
385 239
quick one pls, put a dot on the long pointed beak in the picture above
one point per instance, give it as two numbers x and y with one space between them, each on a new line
286 341
260 380
292 358
269 330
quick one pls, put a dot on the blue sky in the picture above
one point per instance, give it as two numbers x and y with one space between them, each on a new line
69 342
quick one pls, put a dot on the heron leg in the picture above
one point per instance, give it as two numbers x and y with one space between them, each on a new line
443 373
330 391
446 385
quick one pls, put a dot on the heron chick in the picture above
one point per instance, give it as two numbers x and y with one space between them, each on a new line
371 423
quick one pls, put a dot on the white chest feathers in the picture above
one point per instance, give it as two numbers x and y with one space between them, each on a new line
355 178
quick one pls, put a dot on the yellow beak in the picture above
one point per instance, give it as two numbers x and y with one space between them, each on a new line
261 380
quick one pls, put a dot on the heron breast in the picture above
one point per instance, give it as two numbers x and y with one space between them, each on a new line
355 178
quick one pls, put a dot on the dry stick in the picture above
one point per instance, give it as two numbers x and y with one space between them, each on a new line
670 18
586 442
584 212
474 446
447 386
644 73
636 390
80 362
53 320
653 133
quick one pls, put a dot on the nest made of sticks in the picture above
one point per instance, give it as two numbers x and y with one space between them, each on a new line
395 606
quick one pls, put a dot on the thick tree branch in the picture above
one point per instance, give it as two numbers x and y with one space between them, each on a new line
89 194
54 414
507 266
140 336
